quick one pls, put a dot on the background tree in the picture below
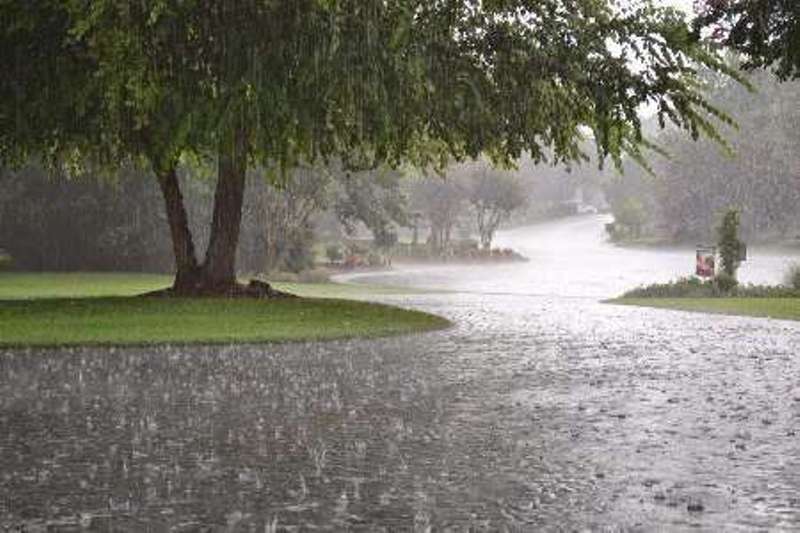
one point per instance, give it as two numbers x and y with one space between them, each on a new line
766 31
730 247
284 216
277 83
493 195
373 198
441 202
54 223
698 179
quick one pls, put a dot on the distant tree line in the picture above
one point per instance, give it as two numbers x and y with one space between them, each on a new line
116 222
98 222
51 223
687 192
469 198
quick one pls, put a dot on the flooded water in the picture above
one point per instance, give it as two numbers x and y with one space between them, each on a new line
541 409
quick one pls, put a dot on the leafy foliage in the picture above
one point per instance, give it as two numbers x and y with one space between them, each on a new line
793 277
362 81
698 180
282 218
730 247
374 80
334 253
722 286
766 31
493 195
374 198
629 218
441 202
724 282
60 224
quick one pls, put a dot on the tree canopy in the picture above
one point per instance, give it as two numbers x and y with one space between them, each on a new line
766 31
361 81
758 175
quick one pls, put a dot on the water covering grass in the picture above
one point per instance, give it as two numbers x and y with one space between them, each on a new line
779 308
96 309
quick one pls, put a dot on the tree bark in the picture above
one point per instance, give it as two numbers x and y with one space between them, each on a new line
219 269
187 271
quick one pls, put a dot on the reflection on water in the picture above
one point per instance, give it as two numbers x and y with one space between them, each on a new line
542 408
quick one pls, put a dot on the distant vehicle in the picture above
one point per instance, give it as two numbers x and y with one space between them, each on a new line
586 209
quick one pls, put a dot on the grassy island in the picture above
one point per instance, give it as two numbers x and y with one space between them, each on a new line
98 309
779 308
719 297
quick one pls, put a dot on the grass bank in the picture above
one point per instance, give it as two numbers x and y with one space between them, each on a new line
96 309
779 308
35 285
722 295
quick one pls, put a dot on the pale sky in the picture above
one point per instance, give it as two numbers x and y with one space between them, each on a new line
683 4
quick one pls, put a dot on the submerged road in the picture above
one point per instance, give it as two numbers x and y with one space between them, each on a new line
541 409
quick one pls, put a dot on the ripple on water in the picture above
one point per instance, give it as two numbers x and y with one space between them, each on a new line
533 412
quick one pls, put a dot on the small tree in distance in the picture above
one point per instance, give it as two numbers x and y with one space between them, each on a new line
730 247
494 195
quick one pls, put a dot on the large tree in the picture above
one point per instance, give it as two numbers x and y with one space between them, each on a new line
282 82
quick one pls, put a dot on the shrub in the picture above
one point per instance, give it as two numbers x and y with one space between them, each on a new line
630 217
374 259
683 287
334 253
730 247
721 286
355 248
792 278
724 283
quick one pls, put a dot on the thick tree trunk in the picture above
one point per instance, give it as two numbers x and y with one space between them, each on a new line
187 270
217 275
219 269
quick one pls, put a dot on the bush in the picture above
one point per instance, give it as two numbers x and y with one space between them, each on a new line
298 252
724 283
334 253
374 259
792 278
629 219
730 247
683 287
721 286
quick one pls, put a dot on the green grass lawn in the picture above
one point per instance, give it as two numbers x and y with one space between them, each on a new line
25 286
96 309
781 308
